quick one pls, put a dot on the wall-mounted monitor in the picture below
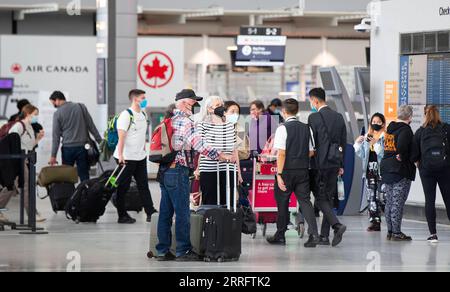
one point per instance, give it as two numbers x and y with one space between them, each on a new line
6 85
260 50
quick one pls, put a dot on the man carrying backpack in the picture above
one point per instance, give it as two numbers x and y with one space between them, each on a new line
130 151
431 152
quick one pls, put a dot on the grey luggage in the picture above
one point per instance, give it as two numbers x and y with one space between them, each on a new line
196 233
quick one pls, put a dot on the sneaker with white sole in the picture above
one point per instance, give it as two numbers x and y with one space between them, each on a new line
433 239
3 218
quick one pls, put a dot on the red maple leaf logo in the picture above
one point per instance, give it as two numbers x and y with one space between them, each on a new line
156 70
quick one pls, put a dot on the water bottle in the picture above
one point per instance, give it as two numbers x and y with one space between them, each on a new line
341 189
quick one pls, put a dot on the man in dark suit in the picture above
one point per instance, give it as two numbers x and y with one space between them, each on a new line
330 135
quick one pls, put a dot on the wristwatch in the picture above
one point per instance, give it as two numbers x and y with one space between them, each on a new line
279 174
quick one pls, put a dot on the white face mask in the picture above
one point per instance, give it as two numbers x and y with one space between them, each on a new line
233 118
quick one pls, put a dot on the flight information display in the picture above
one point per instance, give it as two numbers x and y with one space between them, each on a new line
425 79
438 84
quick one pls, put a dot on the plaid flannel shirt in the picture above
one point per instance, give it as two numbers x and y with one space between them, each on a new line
186 138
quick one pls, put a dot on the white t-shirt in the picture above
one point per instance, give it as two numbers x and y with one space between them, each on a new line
27 137
134 147
279 142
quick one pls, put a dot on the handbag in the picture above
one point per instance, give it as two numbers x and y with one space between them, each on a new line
335 152
93 154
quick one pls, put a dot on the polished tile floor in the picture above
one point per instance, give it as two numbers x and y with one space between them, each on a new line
106 246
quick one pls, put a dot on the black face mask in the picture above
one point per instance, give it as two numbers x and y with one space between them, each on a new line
219 111
376 127
195 108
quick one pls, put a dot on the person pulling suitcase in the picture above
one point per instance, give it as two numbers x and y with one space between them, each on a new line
174 180
132 128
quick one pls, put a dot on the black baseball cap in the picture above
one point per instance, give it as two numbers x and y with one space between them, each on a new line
187 93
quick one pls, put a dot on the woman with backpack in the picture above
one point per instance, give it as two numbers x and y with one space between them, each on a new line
29 140
370 148
431 153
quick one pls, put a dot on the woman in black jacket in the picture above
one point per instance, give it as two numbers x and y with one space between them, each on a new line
431 151
398 171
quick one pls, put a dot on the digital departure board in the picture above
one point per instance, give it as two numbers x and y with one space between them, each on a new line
425 79
438 83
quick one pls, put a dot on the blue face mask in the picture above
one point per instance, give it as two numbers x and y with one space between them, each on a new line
277 112
143 104
313 109
34 120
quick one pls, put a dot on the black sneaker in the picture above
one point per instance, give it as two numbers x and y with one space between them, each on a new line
312 242
126 220
275 240
389 236
190 256
374 227
433 239
167 257
401 237
325 241
339 231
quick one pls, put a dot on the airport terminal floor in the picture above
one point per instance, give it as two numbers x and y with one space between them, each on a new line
107 246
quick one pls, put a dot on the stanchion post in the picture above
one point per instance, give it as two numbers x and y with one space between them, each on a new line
32 196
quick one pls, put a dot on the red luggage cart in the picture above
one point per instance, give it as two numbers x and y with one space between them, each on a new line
262 197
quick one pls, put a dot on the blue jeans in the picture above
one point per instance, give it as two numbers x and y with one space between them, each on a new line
78 155
174 185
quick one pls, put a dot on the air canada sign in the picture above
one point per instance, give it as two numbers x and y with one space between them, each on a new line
444 11
75 69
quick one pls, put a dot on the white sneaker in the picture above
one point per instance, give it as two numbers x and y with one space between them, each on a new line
40 218
3 218
433 239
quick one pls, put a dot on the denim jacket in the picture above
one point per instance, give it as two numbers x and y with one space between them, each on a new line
362 151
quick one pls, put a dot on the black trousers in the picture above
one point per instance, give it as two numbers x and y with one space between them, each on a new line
430 180
297 182
138 170
325 190
208 186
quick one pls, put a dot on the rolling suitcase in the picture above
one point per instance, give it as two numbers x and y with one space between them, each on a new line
133 201
222 229
196 231
89 201
59 194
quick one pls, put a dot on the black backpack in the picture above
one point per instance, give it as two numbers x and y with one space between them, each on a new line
434 147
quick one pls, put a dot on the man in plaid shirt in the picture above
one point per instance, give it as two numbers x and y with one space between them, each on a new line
174 181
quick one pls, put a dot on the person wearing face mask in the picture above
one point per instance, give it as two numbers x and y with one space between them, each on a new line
274 109
132 126
73 124
398 171
174 180
221 135
370 148
232 114
262 127
29 141
330 135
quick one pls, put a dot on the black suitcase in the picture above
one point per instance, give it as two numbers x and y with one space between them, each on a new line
222 230
59 194
89 201
133 201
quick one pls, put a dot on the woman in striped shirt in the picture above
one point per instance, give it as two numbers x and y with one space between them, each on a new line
220 135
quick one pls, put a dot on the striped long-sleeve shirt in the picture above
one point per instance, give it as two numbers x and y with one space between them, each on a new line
186 138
